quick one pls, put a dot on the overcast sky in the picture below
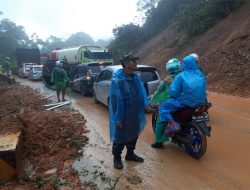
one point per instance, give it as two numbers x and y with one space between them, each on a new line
64 17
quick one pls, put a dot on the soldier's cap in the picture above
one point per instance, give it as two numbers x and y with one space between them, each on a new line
128 57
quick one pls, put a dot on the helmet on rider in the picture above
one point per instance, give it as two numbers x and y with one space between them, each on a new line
173 66
195 56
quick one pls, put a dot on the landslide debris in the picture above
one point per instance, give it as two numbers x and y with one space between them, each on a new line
51 139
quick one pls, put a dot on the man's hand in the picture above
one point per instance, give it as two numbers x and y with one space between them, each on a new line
148 108
169 81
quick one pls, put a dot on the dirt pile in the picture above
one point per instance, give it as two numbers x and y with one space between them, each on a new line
224 52
51 139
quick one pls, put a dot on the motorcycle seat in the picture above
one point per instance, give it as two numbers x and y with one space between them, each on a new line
183 115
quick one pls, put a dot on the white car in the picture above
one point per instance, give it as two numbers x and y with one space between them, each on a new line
148 74
23 72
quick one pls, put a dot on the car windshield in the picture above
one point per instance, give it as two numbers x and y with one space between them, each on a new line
28 65
101 55
38 68
96 67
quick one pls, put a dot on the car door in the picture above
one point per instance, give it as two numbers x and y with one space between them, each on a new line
150 78
100 88
106 86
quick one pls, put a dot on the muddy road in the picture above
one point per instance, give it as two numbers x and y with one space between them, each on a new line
225 165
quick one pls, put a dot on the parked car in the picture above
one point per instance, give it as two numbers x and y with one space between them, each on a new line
35 72
23 72
148 74
82 77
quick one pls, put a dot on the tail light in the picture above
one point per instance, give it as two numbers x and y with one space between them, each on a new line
200 110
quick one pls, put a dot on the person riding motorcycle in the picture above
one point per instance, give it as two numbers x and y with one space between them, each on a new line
173 67
187 90
207 104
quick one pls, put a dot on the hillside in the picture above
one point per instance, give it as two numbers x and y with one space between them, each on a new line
224 52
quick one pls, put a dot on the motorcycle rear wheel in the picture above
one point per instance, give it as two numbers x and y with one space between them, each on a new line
199 145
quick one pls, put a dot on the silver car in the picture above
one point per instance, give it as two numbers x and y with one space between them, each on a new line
35 72
23 72
148 74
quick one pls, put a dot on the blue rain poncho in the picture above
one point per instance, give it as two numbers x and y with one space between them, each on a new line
187 89
127 101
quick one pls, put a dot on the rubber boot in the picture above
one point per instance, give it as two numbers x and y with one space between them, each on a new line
117 163
131 156
116 151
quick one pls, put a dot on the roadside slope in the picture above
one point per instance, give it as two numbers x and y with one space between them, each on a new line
224 52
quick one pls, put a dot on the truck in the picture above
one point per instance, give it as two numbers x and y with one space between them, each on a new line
26 55
82 54
71 57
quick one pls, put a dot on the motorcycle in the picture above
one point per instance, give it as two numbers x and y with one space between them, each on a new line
192 130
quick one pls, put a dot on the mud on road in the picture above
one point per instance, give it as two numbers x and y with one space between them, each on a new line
50 139
224 166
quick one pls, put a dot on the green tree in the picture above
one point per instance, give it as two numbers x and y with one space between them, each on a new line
127 39
102 43
79 39
11 37
197 16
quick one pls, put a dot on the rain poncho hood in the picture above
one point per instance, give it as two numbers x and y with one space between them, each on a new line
189 87
126 106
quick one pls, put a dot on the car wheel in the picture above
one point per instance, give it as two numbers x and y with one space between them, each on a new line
95 99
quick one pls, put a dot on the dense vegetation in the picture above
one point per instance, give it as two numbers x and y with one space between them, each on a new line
193 17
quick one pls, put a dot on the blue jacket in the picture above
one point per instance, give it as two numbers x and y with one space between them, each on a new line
189 87
127 101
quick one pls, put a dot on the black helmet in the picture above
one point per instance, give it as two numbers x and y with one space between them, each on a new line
128 57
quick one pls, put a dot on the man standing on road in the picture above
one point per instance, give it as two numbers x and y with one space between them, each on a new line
128 99
60 79
7 66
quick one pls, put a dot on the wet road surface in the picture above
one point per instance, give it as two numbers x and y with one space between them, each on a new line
226 164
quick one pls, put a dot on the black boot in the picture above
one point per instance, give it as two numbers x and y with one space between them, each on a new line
117 150
133 157
157 145
118 163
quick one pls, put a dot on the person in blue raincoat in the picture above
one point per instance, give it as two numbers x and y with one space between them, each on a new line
187 89
128 99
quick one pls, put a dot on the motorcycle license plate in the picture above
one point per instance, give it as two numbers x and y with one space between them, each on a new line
199 118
